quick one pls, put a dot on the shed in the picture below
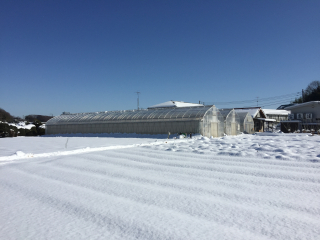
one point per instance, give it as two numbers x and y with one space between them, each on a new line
274 116
231 121
205 120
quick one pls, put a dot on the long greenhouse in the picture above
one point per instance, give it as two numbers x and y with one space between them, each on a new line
205 120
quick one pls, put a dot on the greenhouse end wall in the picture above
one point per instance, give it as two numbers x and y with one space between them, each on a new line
212 124
248 125
246 122
231 122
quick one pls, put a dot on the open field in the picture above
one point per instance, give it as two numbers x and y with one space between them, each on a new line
264 186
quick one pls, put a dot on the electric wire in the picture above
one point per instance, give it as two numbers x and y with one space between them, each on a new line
268 101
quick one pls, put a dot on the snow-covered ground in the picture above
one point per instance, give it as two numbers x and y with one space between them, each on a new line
264 186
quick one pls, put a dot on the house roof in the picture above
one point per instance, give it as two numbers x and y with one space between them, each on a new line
178 104
312 103
267 119
285 105
276 112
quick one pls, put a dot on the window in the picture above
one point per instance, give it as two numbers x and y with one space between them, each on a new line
290 116
299 115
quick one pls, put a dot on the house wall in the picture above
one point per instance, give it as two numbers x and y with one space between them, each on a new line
278 118
287 127
258 125
304 124
312 108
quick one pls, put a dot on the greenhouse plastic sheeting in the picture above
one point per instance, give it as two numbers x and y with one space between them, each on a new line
246 122
205 120
231 121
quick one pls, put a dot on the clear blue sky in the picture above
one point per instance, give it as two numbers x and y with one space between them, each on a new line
83 56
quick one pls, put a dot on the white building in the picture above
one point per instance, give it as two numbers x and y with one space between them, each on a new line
303 117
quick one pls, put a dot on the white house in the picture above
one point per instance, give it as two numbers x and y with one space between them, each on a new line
303 117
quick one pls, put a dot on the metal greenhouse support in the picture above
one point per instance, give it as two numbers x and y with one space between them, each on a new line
205 120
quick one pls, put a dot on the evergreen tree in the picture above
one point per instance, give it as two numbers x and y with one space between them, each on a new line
311 93
5 116
4 130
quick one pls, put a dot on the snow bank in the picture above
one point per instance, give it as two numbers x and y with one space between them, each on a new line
22 125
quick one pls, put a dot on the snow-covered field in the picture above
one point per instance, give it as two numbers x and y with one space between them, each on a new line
264 186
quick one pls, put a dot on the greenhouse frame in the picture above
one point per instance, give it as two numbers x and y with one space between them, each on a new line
231 121
258 115
246 122
205 120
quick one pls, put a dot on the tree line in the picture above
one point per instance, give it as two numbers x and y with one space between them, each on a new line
8 130
311 93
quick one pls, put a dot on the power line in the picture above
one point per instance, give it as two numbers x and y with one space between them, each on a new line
262 99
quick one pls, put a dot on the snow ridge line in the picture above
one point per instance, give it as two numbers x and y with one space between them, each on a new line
22 155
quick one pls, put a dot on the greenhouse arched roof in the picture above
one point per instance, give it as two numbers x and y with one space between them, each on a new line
191 113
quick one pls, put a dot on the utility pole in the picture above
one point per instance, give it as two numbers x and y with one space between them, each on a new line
257 101
302 96
138 100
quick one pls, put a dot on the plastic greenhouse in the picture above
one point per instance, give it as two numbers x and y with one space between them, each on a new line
246 122
205 120
231 121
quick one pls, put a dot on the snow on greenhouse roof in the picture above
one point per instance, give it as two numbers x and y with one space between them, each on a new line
178 104
252 111
276 112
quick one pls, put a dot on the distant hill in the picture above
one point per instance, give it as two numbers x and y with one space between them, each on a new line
41 118
5 116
